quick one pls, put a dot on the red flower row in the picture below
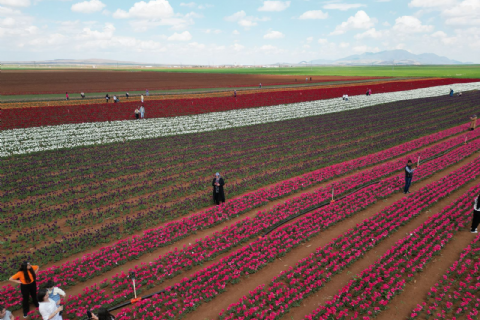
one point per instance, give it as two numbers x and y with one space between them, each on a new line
56 115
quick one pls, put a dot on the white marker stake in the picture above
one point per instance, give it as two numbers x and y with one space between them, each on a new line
418 161
332 192
134 290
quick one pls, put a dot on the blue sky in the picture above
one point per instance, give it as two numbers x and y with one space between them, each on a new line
241 32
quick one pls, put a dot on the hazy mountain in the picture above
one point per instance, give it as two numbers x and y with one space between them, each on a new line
390 57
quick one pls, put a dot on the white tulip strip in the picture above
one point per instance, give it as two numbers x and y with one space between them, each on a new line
22 141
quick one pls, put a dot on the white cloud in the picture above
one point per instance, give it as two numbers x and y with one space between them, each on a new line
465 13
236 16
189 5
309 39
214 31
274 5
89 34
15 3
88 6
235 32
184 36
154 9
237 47
359 21
322 41
343 6
344 45
4 11
313 14
243 20
444 38
370 33
409 24
274 35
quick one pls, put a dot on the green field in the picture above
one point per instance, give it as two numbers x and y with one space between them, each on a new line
441 71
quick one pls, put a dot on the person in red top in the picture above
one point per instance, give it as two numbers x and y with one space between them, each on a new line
26 277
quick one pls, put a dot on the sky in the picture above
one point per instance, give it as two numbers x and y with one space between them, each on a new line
216 32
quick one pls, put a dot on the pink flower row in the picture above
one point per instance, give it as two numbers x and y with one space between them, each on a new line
370 292
458 290
209 282
311 273
107 258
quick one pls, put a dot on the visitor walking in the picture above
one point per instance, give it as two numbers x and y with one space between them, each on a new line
147 93
451 92
234 93
218 194
408 176
5 314
137 113
260 86
473 122
82 95
127 94
476 215
142 112
107 97
26 277
114 99
141 98
66 95
48 308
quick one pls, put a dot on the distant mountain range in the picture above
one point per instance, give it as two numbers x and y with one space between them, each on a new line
389 57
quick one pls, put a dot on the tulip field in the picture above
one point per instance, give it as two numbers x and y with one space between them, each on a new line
315 223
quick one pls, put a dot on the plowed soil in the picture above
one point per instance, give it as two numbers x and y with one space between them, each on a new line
43 82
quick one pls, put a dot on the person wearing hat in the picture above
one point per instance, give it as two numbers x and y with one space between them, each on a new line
473 122
218 194
26 277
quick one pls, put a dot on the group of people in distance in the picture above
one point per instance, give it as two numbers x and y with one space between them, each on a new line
47 299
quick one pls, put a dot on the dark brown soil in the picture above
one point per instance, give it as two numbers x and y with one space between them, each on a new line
38 82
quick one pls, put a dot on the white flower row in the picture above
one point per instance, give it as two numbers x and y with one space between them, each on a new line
22 141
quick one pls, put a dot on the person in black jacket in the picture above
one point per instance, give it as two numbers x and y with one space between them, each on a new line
408 176
476 215
218 194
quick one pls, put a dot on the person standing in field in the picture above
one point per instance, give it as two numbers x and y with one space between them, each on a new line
82 95
141 98
147 93
48 308
218 194
114 99
473 122
260 86
476 214
66 95
142 112
137 113
107 97
408 176
451 92
127 94
234 93
26 277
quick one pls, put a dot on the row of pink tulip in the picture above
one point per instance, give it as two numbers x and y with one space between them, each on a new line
369 293
456 294
310 274
206 284
107 258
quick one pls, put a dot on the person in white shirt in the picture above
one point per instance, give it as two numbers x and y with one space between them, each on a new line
5 314
48 308
141 98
